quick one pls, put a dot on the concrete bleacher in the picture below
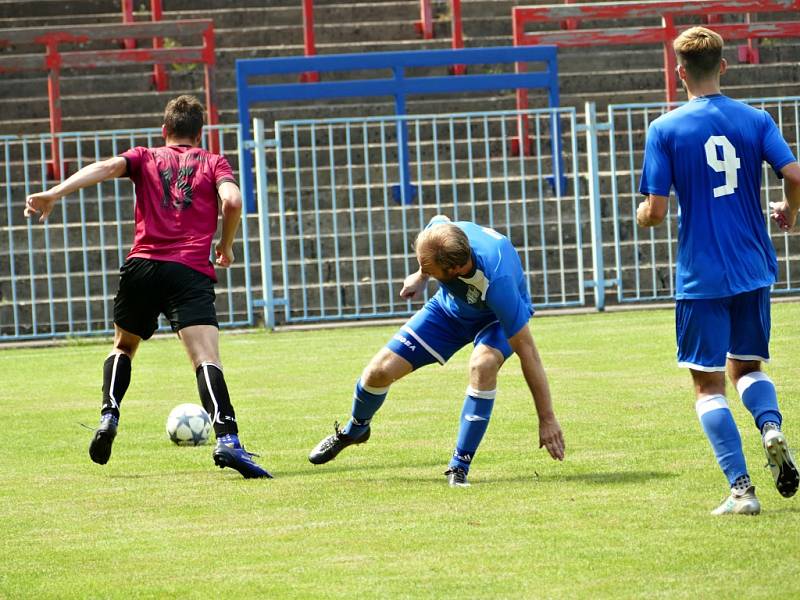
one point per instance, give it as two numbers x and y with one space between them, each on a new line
115 98
107 98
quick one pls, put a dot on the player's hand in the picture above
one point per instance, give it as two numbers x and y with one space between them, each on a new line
643 213
551 438
413 286
783 215
43 203
224 254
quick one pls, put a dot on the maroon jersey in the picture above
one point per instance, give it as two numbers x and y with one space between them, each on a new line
176 203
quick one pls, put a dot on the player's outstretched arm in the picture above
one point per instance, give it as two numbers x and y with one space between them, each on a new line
785 213
652 210
231 200
550 435
43 202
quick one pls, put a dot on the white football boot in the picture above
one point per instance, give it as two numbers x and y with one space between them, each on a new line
781 462
740 503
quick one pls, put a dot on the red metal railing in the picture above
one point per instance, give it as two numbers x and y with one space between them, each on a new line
666 10
424 28
160 78
54 60
309 45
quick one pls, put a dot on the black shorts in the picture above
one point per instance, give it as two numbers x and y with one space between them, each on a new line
148 288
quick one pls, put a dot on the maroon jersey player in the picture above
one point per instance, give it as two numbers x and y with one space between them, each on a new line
180 190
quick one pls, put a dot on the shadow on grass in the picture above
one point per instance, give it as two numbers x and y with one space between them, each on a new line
607 478
788 509
342 468
152 474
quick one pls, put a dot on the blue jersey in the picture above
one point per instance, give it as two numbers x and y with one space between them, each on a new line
496 286
711 150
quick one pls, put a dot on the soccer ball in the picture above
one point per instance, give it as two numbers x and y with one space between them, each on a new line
188 425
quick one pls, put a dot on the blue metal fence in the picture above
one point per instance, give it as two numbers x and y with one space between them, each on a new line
644 259
59 278
334 246
340 247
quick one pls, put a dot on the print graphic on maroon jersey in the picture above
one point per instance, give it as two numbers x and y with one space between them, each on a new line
166 186
183 184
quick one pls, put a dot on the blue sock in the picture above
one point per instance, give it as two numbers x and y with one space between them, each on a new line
720 428
366 402
758 395
474 421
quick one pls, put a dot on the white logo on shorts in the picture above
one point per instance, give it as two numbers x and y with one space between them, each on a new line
403 340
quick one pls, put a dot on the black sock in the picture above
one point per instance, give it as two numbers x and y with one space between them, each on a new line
215 398
116 378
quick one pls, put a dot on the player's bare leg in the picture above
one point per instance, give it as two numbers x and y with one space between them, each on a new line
202 347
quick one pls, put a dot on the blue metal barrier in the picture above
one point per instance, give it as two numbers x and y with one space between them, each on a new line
644 259
399 86
339 247
58 279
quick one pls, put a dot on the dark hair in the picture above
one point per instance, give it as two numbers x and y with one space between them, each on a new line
183 117
699 50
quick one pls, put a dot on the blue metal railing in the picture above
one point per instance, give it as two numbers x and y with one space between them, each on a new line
62 275
334 246
644 260
345 246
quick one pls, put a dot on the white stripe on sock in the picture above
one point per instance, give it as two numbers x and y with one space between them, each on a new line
114 402
747 380
710 402
215 417
373 390
484 395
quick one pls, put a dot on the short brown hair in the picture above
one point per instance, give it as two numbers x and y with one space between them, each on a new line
699 50
446 245
183 117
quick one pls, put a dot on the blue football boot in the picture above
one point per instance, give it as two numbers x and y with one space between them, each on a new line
100 448
230 453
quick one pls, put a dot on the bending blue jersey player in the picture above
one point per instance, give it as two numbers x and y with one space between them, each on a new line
482 299
711 151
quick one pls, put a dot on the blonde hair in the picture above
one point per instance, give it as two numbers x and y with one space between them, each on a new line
699 51
445 245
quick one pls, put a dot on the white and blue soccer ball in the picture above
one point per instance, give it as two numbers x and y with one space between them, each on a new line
188 425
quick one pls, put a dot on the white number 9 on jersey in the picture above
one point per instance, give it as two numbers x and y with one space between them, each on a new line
729 164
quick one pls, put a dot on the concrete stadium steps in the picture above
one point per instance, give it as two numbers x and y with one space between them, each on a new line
112 98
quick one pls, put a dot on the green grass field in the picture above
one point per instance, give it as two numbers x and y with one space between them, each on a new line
624 516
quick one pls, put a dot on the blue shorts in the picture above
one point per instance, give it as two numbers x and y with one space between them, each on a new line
434 335
711 330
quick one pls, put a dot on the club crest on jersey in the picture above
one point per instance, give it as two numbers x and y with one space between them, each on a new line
473 294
